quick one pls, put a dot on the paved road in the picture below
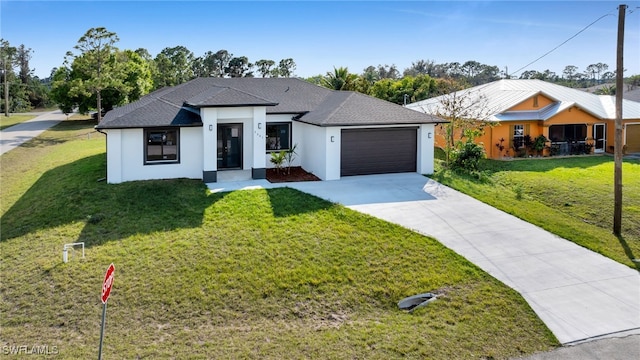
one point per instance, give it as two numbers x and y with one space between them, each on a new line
16 135
580 295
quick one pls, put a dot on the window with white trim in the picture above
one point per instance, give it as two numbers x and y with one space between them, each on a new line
161 146
518 136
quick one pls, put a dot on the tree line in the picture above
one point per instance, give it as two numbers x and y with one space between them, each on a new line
96 74
20 90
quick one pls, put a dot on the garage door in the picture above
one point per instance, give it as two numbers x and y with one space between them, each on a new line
633 138
378 151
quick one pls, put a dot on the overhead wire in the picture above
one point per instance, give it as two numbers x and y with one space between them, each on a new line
564 42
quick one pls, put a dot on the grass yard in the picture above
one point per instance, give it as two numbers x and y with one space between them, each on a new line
571 197
6 122
247 274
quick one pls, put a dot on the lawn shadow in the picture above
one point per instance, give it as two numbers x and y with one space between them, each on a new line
286 201
72 193
627 250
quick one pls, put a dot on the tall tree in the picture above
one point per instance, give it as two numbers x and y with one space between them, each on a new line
388 71
420 67
7 58
22 57
130 79
96 49
239 67
265 67
286 68
570 72
221 60
174 66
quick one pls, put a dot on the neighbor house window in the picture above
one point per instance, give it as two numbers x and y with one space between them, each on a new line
278 136
518 136
569 132
161 146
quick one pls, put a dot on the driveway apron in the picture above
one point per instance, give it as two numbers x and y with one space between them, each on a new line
16 135
579 294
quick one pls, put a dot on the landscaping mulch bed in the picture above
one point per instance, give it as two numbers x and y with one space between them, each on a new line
296 174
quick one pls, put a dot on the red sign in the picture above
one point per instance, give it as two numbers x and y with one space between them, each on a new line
107 283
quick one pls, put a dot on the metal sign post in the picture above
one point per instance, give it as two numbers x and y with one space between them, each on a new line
106 291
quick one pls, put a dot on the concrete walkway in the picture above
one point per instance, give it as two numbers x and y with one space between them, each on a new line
16 135
578 294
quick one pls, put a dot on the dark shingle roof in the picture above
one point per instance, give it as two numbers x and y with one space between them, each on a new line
177 106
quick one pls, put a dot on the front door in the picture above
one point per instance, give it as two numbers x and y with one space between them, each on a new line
229 146
599 138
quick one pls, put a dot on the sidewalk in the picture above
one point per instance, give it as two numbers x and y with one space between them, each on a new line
16 135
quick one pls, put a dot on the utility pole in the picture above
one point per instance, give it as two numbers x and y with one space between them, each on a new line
6 83
617 141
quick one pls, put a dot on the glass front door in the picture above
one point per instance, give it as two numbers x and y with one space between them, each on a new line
229 146
599 137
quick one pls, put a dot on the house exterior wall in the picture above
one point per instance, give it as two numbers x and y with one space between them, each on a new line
125 156
313 156
530 103
426 137
296 139
253 120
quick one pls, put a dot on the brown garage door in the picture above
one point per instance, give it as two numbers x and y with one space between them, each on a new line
633 138
378 151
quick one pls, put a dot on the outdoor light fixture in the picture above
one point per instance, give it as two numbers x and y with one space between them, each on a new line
259 125
429 135
332 139
210 127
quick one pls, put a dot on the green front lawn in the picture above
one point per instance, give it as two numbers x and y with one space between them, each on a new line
571 197
247 274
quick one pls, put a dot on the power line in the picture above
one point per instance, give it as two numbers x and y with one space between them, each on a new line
564 42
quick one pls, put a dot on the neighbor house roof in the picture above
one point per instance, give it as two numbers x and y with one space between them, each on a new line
498 97
179 105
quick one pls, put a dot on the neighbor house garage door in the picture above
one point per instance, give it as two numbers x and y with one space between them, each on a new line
633 138
378 151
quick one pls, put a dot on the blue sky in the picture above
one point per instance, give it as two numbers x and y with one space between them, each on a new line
319 35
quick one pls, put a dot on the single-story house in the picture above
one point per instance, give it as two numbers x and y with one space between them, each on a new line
207 125
572 120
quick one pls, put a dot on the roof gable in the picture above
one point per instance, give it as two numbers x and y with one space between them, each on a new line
503 96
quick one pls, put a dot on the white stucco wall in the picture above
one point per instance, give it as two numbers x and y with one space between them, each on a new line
296 138
125 156
253 121
426 135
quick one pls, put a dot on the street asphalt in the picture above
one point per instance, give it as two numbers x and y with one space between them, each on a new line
16 135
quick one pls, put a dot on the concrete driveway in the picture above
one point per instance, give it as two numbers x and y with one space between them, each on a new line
578 294
16 135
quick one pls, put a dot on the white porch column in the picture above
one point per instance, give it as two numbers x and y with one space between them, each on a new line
209 118
258 138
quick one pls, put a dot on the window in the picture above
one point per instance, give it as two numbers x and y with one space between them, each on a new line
518 136
161 146
570 132
278 136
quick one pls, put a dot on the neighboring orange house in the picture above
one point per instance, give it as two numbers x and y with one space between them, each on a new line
572 120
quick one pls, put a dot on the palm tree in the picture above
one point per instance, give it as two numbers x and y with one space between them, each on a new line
340 79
